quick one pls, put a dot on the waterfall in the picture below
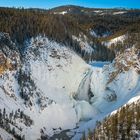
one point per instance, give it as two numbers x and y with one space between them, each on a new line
84 87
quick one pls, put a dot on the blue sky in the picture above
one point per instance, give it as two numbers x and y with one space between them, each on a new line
87 3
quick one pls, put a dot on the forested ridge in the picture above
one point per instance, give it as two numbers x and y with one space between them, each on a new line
121 125
22 24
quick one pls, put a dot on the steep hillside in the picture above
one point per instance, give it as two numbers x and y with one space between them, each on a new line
27 23
40 88
111 87
62 23
121 124
9 55
52 93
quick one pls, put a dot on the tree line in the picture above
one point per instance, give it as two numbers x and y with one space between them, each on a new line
122 125
22 24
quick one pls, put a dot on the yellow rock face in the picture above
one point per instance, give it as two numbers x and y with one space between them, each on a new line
5 64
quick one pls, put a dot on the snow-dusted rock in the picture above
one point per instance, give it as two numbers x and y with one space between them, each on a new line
54 90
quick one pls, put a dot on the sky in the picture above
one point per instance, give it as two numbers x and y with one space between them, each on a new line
46 4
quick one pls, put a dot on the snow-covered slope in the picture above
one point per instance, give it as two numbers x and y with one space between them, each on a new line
111 87
61 13
115 40
44 88
95 33
119 12
55 90
84 43
5 135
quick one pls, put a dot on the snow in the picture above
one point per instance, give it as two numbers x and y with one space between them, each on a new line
119 12
60 72
83 42
55 76
108 97
122 88
5 136
84 111
115 40
98 11
93 33
54 116
97 35
134 99
64 78
61 13
103 13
